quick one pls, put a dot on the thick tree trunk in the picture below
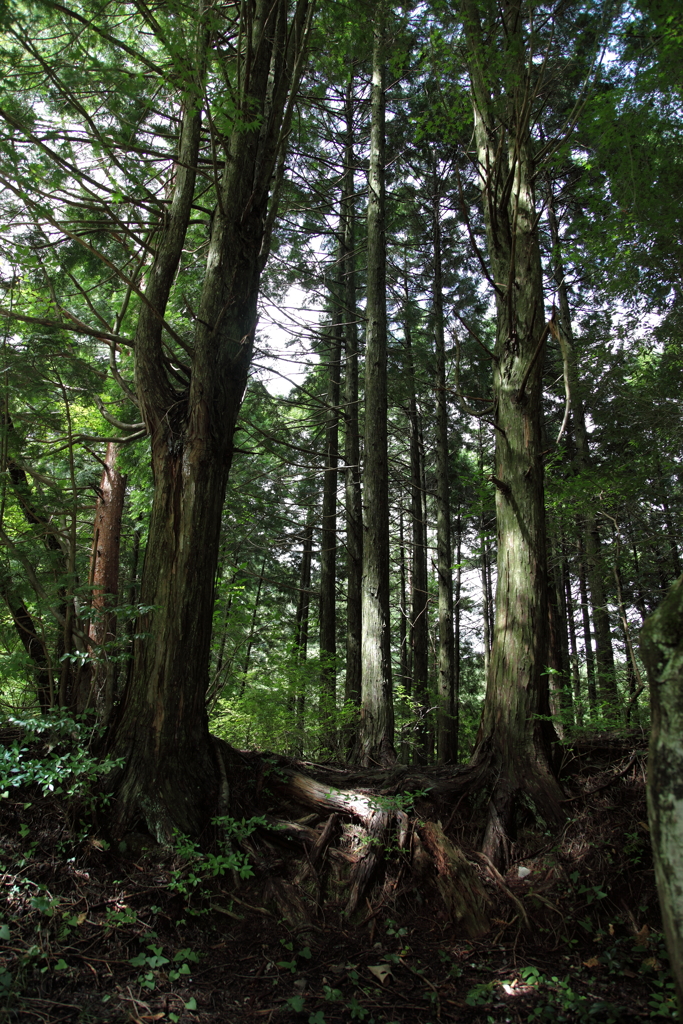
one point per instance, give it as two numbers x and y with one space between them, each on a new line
170 776
661 645
376 741
511 736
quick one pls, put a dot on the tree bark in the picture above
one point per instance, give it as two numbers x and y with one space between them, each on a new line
33 643
446 728
376 741
328 542
511 736
104 578
301 629
587 635
171 777
352 484
661 645
419 597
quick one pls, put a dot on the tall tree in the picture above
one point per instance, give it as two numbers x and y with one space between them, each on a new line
376 740
510 734
446 729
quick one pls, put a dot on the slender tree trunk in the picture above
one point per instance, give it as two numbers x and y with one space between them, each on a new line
403 632
571 628
352 485
132 601
328 543
668 518
587 635
252 625
604 654
377 711
558 653
104 578
419 633
446 728
456 638
301 624
34 645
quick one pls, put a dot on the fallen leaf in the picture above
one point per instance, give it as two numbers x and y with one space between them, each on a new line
593 962
381 972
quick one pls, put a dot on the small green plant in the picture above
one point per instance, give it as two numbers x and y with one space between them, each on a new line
117 917
481 994
198 867
183 959
291 965
152 961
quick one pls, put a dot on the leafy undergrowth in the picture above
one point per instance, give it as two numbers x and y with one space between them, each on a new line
93 932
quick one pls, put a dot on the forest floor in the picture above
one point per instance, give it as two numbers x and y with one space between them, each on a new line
93 932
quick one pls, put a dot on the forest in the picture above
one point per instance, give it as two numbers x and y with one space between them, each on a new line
341 510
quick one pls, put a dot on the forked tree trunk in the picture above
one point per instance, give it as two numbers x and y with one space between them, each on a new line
170 776
511 737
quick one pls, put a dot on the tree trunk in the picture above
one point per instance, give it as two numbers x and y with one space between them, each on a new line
104 578
301 630
33 643
352 485
604 654
419 598
376 741
254 617
328 541
511 736
587 635
446 728
571 632
661 645
170 776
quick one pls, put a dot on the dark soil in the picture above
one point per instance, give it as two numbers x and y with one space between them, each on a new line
91 932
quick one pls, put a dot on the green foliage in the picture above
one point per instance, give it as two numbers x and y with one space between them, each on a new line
195 868
64 767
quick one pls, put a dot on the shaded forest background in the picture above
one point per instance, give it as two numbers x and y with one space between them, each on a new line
608 227
340 420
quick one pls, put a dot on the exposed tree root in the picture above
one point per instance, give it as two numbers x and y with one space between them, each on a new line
335 833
